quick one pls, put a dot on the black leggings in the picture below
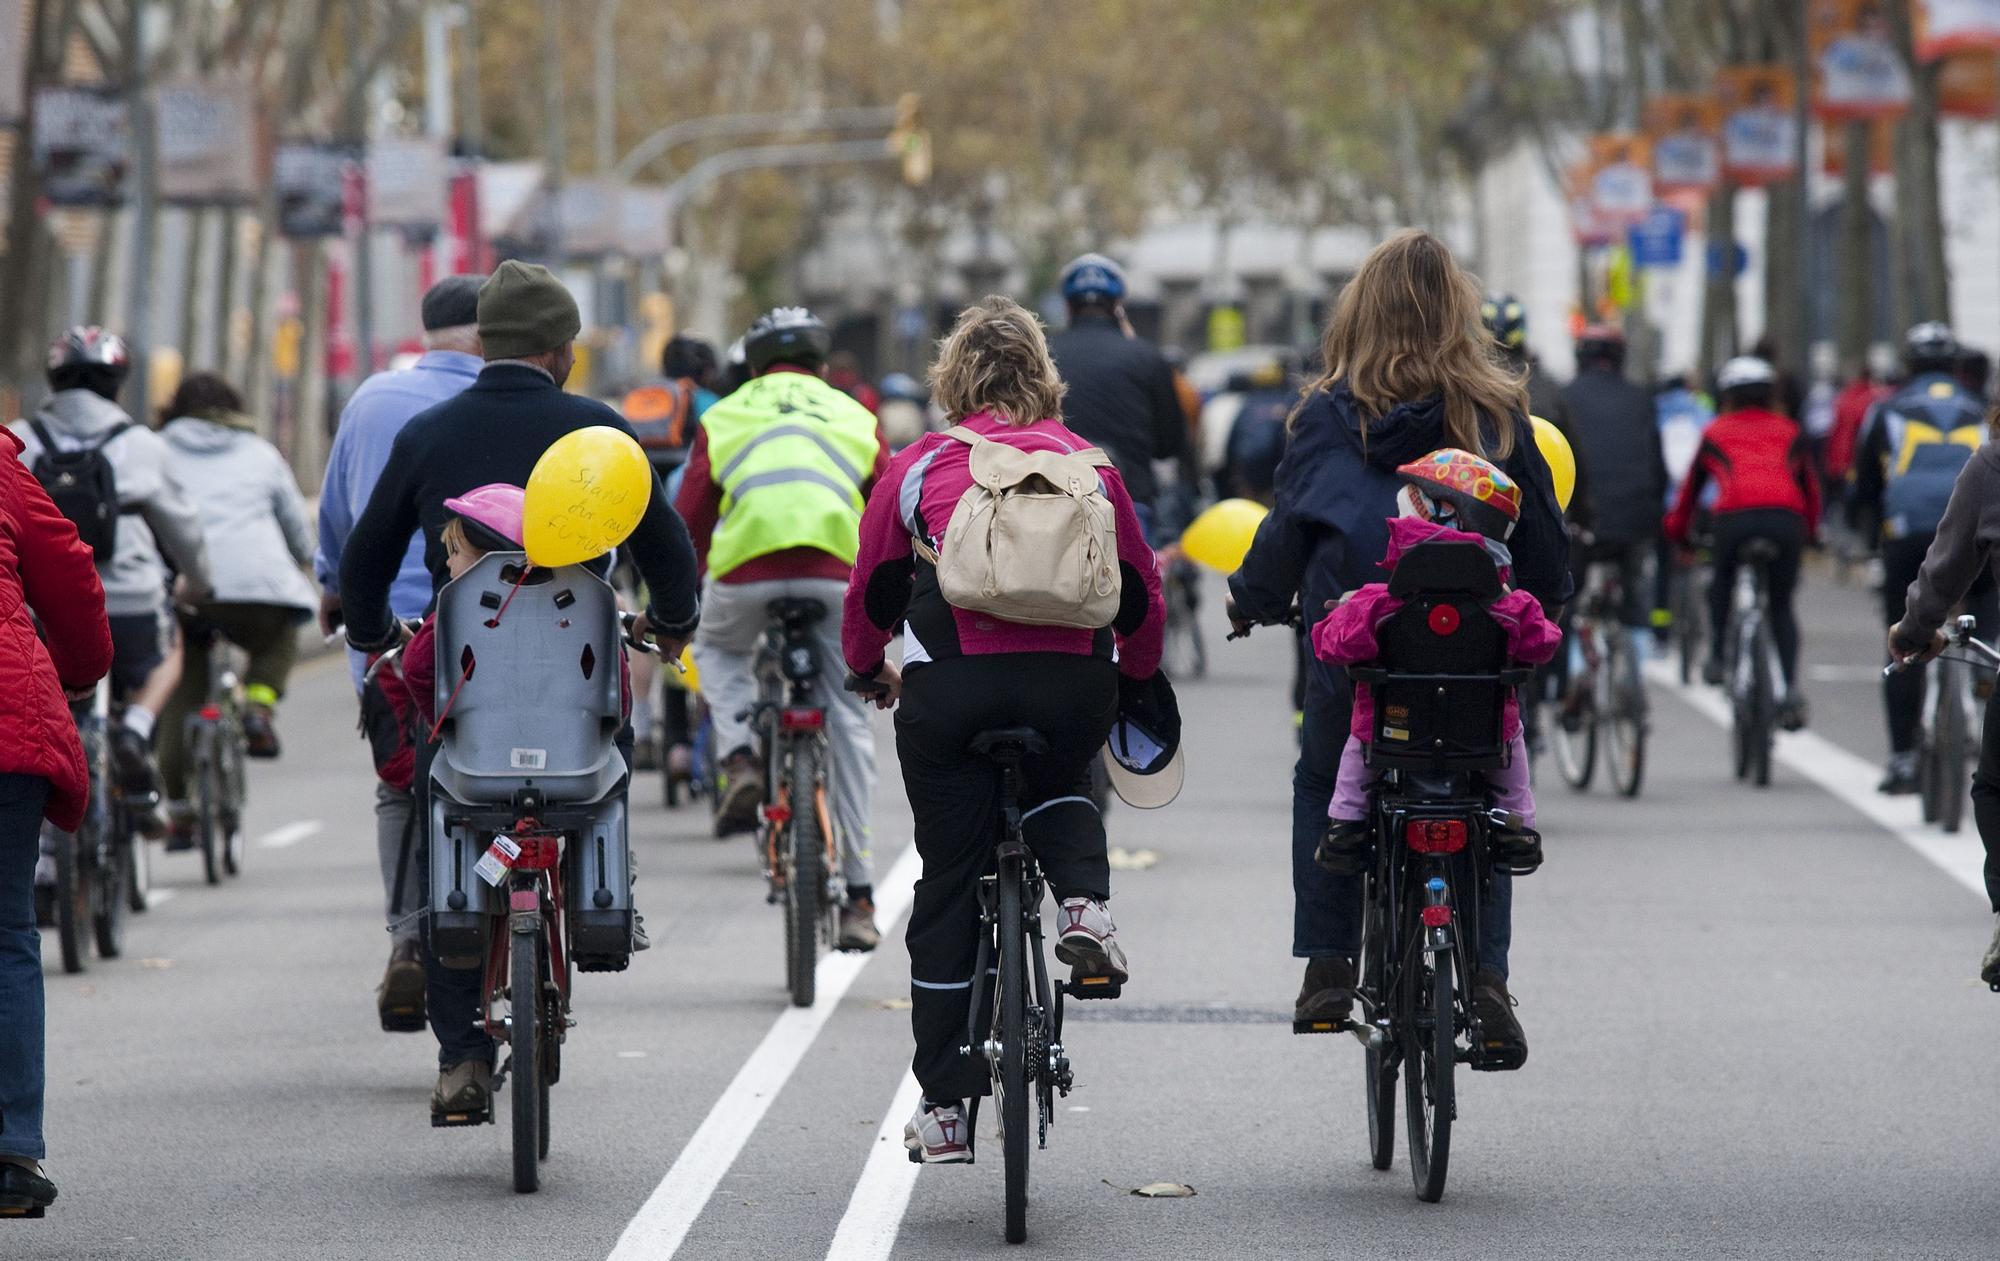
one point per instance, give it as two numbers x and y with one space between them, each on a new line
1732 531
1903 691
955 800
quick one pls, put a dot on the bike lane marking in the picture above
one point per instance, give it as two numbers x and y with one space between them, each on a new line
1849 777
655 1233
875 1211
290 834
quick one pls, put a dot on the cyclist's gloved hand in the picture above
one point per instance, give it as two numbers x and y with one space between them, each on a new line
1150 702
1908 645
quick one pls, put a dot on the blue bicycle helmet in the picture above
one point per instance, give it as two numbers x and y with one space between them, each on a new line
1092 277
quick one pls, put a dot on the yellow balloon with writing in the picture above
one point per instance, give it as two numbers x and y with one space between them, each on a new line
1220 537
585 496
1557 455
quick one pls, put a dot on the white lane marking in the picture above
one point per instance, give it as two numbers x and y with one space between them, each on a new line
1851 778
664 1220
1842 673
290 834
875 1211
156 896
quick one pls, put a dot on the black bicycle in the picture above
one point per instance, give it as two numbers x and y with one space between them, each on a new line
1946 742
1752 666
95 870
1016 1020
217 780
1603 700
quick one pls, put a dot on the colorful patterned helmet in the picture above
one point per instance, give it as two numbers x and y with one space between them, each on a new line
1506 319
1465 491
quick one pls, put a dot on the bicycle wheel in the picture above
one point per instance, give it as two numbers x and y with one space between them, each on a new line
1625 725
138 872
1952 743
208 800
551 1012
1379 1070
1010 1027
236 796
1428 1059
524 1029
1688 615
72 903
108 882
1763 708
1572 733
805 874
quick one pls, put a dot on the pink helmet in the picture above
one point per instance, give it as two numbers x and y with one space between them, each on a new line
496 507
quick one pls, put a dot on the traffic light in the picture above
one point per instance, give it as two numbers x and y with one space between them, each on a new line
909 141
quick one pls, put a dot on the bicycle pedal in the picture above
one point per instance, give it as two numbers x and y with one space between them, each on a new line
453 1120
404 1019
602 963
1323 1026
24 1212
1083 987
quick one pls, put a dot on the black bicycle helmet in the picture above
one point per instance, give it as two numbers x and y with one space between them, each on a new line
89 357
1930 347
786 334
1601 343
1506 319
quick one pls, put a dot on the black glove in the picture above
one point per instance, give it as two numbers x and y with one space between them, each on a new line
1150 702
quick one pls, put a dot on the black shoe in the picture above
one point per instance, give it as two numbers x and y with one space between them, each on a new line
1346 847
1711 672
1502 1046
1792 713
132 762
1900 779
1517 852
1327 997
399 999
260 736
25 1191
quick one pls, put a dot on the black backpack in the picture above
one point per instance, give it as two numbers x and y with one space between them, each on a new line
84 487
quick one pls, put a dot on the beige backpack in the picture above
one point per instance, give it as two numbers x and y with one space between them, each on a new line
1033 539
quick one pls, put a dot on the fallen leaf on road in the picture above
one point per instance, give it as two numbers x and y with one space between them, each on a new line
1165 1190
158 965
893 1004
1123 859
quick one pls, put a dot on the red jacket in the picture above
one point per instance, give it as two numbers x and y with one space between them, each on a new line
1757 459
1850 409
46 573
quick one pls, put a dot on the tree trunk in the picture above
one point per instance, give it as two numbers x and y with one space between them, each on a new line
1784 220
1718 304
1854 261
222 313
191 281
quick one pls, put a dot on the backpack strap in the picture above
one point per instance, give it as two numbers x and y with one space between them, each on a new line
1093 456
49 446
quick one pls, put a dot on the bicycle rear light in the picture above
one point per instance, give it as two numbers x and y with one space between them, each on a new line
1443 619
1436 836
801 719
1437 916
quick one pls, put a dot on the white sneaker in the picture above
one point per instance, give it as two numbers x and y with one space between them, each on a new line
1086 939
939 1136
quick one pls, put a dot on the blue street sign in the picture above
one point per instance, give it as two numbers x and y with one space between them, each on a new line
1656 239
1721 263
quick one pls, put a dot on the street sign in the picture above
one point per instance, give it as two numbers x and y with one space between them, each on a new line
208 143
311 183
406 183
1727 258
82 145
1656 239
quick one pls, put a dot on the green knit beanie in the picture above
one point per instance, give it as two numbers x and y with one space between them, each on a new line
524 310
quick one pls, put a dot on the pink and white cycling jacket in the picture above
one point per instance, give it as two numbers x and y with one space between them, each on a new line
891 586
1346 635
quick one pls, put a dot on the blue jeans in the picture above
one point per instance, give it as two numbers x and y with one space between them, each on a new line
1326 908
21 1014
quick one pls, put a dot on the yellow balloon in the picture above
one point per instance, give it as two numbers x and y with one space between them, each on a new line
585 496
1560 459
1220 537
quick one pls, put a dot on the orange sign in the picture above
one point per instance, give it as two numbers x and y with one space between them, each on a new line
1881 150
1687 151
1944 27
1858 72
1969 86
1759 134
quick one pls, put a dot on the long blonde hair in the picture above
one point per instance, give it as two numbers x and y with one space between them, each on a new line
996 359
1407 328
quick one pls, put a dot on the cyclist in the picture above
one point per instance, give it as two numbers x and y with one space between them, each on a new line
964 673
369 424
773 497
1961 553
1760 462
1406 373
156 533
46 575
254 522
1912 448
494 431
1621 471
1507 320
1684 415
1121 393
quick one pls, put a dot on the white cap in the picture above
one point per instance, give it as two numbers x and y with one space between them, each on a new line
1742 371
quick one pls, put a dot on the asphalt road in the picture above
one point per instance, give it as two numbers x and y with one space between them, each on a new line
1755 1025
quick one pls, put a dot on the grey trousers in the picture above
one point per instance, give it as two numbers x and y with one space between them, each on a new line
396 838
733 618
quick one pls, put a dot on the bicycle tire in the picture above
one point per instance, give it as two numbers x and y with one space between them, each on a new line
236 796
208 801
805 875
1378 1073
550 1046
1428 1060
72 904
108 880
525 978
1764 705
1954 740
1010 1027
1625 730
1575 750
138 874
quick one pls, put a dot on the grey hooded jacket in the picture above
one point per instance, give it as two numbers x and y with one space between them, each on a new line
250 509
156 517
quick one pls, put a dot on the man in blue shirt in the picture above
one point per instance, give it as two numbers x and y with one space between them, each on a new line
368 428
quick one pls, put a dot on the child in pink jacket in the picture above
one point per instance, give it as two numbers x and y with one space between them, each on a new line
1448 496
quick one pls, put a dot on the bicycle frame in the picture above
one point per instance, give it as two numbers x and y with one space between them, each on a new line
1425 893
788 713
534 902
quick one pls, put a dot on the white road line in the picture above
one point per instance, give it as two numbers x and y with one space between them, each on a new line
875 1211
664 1220
290 834
1851 778
156 896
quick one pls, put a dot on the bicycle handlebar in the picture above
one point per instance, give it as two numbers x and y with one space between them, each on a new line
1292 619
1960 636
868 688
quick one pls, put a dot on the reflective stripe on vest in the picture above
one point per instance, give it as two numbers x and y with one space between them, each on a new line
790 453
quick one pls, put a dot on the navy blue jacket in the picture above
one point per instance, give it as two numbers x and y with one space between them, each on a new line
1328 530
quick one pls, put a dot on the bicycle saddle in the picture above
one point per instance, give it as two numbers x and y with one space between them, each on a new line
1760 551
1009 744
796 612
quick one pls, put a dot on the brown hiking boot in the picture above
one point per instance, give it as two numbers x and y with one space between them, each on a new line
742 794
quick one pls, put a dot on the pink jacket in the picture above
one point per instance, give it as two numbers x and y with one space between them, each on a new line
1346 635
919 491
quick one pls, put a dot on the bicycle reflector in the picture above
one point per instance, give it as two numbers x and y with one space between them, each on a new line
1435 836
802 719
1443 619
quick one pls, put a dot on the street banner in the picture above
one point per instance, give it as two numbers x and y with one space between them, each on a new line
1656 240
1858 71
208 143
642 220
588 213
1944 27
1759 135
1687 154
1621 183
310 180
1584 220
82 145
406 183
1969 86
13 62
